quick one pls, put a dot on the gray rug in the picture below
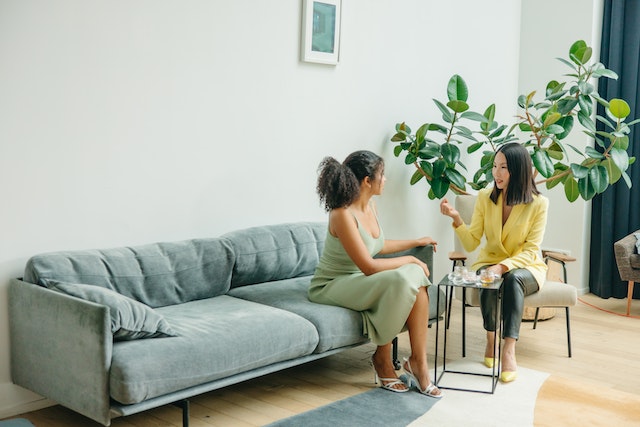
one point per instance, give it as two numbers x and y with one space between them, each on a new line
377 407
512 404
16 422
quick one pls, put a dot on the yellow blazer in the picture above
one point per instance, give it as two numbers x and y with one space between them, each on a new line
517 244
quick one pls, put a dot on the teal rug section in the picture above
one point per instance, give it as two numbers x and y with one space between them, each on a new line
375 407
16 422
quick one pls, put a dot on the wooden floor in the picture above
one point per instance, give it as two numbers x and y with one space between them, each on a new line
606 352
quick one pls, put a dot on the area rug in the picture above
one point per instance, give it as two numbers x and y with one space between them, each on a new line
379 407
512 404
376 407
16 422
534 399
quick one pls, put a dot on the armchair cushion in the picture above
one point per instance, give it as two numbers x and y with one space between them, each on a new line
637 243
130 319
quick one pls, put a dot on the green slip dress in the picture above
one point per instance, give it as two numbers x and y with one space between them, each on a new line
385 299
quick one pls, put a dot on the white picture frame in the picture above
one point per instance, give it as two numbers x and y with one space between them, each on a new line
321 31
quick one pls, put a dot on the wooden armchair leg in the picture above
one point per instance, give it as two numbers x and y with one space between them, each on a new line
629 296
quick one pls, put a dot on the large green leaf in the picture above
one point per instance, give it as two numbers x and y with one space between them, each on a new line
551 118
427 168
439 186
626 178
567 124
421 132
553 181
450 153
471 115
619 108
490 115
603 72
566 105
585 188
585 120
417 176
438 168
410 159
579 171
542 163
428 152
446 113
399 137
458 106
622 142
586 104
593 153
397 150
620 158
579 52
599 178
474 147
403 127
612 170
571 190
555 129
457 89
455 177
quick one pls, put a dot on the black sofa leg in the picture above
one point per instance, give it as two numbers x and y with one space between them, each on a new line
184 405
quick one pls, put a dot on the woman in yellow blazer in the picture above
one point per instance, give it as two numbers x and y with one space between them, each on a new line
512 216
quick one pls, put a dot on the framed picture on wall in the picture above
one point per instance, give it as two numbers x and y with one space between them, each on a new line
321 31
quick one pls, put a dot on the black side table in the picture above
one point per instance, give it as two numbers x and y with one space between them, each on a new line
449 286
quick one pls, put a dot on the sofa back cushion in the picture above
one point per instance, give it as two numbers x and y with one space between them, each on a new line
276 252
157 275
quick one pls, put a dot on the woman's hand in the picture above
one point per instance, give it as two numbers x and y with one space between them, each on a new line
448 210
424 241
497 269
423 265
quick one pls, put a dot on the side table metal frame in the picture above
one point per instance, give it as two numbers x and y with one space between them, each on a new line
495 372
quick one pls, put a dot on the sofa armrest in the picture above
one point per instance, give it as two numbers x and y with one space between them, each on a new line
61 348
425 254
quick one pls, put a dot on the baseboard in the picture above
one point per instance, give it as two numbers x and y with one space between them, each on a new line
15 400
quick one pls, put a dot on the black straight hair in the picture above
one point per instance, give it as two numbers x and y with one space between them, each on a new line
522 186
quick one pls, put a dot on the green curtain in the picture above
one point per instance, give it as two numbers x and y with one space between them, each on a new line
616 212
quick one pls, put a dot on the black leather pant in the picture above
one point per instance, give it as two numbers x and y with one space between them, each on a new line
516 284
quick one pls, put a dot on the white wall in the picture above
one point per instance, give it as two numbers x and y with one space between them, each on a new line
125 123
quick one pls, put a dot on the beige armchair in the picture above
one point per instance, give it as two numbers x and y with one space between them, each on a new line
552 294
628 261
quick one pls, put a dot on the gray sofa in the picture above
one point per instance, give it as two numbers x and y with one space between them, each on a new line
110 333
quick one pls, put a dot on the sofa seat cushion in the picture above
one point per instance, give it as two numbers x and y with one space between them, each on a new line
634 259
217 338
337 326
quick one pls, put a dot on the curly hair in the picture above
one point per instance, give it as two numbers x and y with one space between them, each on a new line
339 184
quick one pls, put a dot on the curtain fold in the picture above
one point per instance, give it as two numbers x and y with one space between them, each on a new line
616 212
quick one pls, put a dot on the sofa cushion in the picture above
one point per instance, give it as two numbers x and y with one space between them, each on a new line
276 252
337 326
130 319
217 337
157 274
634 260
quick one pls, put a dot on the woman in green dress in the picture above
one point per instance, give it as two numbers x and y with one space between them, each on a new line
389 292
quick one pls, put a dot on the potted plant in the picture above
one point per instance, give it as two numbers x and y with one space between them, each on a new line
435 148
